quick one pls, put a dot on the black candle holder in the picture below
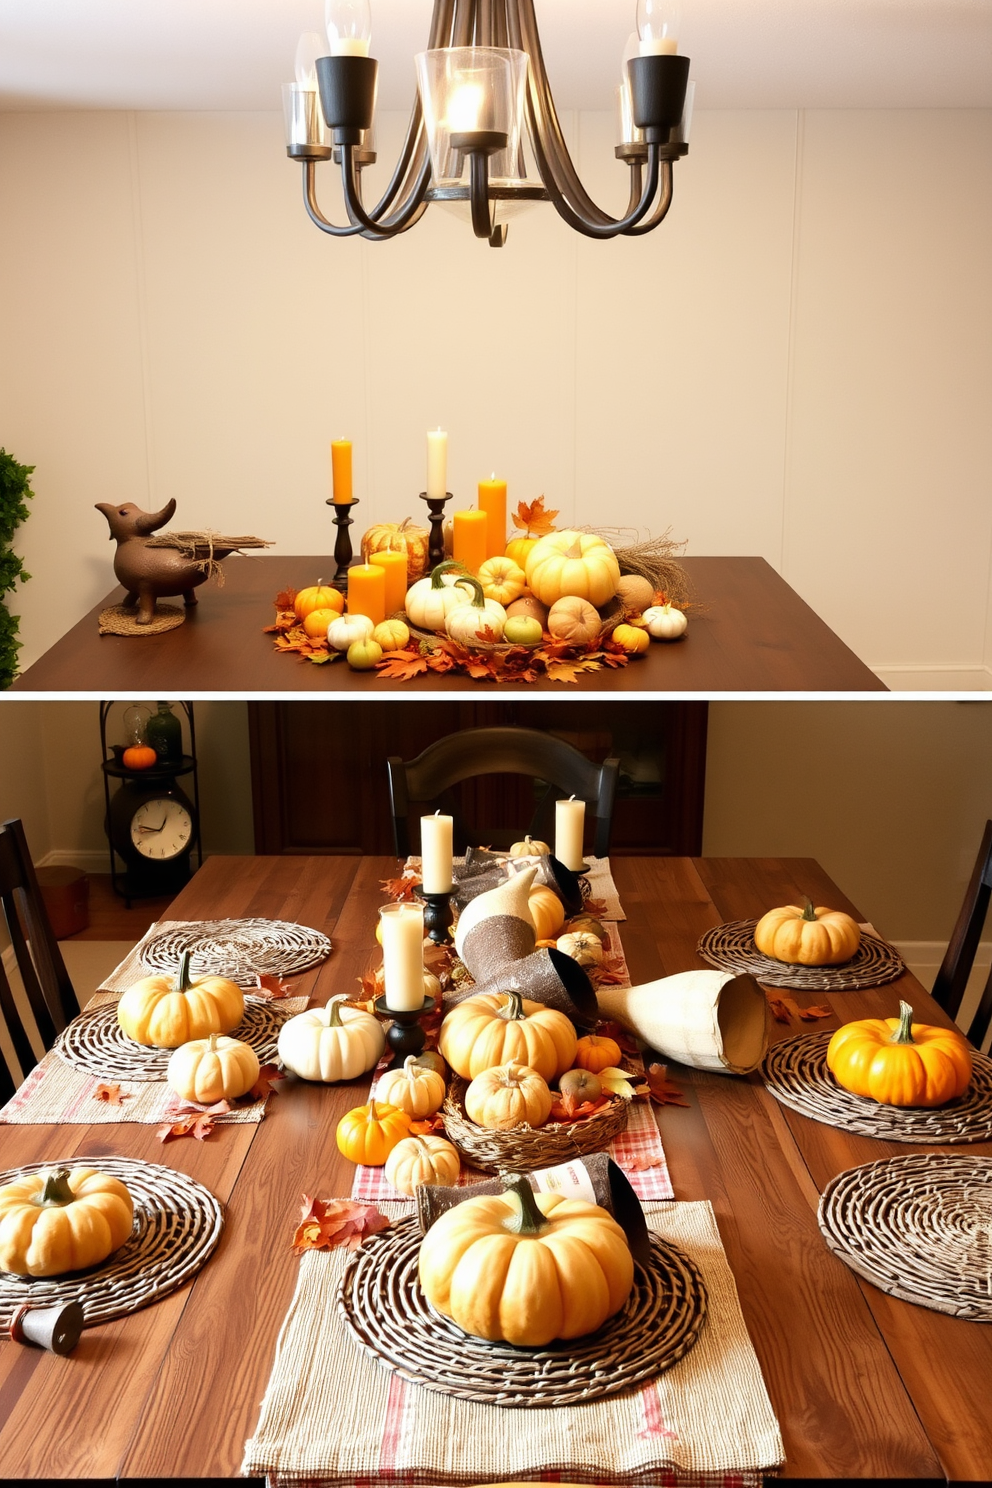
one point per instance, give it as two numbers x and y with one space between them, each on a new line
342 543
405 1034
438 916
435 544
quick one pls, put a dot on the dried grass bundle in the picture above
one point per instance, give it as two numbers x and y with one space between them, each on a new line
206 548
653 558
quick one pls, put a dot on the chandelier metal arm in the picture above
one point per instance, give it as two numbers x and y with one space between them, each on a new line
386 227
313 211
664 202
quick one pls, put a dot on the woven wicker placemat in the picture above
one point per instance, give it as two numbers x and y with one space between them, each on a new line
795 1071
386 1312
95 1042
238 949
731 948
525 1148
917 1227
122 620
177 1224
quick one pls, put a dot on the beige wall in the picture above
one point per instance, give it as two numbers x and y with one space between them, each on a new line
889 796
798 364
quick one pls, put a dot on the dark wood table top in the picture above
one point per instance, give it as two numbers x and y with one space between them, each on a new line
752 634
865 1387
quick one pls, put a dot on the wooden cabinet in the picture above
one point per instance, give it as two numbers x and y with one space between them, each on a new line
319 768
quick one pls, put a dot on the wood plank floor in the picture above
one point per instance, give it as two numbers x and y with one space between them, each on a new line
110 919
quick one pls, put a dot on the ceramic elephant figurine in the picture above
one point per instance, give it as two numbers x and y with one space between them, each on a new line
148 572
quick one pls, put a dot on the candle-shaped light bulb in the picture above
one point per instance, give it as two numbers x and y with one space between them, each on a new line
626 128
465 108
657 27
349 27
310 46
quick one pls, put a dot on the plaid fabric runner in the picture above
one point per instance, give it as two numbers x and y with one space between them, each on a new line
638 1150
332 1415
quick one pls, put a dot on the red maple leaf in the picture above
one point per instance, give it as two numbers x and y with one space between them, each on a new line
327 1223
663 1091
111 1094
268 1074
271 986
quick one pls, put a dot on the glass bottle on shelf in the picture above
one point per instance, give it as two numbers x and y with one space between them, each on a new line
164 733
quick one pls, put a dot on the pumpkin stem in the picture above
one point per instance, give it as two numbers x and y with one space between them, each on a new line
410 1068
478 600
334 1018
55 1192
904 1033
530 1220
809 913
448 566
514 1009
183 982
575 551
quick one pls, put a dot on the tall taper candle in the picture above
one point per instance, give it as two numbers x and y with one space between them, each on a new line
570 818
435 853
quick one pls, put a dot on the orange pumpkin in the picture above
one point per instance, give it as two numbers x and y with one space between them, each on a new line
319 596
397 538
596 1053
632 639
317 622
546 910
369 1133
808 936
518 548
505 1028
898 1062
139 757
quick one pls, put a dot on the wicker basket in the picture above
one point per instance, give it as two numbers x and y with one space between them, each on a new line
525 1148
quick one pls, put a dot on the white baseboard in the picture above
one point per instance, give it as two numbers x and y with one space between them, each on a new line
902 678
87 859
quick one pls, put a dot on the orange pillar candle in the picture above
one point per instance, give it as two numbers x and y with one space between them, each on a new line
469 541
492 501
393 564
341 471
367 591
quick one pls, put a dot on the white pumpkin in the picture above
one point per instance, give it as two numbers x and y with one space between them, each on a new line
582 946
331 1043
476 618
665 622
346 629
429 600
417 1160
413 1088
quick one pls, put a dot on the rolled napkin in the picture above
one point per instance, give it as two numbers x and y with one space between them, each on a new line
546 976
708 1020
595 1178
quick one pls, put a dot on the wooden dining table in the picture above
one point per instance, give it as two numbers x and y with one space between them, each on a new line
865 1387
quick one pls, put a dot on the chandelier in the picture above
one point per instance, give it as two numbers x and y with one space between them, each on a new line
481 83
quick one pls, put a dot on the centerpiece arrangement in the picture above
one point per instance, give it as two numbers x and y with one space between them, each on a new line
460 598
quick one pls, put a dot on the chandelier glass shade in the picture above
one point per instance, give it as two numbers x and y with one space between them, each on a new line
482 86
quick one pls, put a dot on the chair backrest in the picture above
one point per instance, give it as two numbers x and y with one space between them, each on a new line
43 974
955 969
502 751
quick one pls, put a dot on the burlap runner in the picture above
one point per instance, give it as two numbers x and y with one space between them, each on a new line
331 1414
55 1093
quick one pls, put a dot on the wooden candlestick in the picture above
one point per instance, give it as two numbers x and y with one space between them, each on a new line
342 543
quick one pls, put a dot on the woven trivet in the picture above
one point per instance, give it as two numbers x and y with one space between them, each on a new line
237 949
177 1223
731 948
95 1042
919 1228
122 620
386 1311
524 1148
795 1071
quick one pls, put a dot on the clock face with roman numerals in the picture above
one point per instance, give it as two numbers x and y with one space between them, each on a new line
161 829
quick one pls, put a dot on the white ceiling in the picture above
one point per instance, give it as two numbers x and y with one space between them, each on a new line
234 54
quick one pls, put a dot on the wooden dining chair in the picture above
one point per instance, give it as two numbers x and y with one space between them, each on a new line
47 987
959 958
428 780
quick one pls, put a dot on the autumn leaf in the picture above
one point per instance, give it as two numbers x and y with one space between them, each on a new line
642 1164
271 986
595 907
400 666
401 888
268 1074
425 1127
319 657
327 1223
810 1014
190 1125
286 599
617 1081
111 1094
663 1091
570 671
565 1108
531 517
781 1011
609 973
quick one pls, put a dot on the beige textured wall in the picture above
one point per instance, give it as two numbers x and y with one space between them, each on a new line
798 364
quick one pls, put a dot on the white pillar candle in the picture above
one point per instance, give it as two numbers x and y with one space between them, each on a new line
403 956
437 463
570 819
435 853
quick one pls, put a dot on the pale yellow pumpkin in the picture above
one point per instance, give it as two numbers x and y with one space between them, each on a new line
572 563
331 1043
412 1088
583 946
212 1069
807 936
529 847
526 1268
505 1028
506 1096
632 638
417 1161
165 1011
60 1220
574 620
391 635
546 910
502 580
